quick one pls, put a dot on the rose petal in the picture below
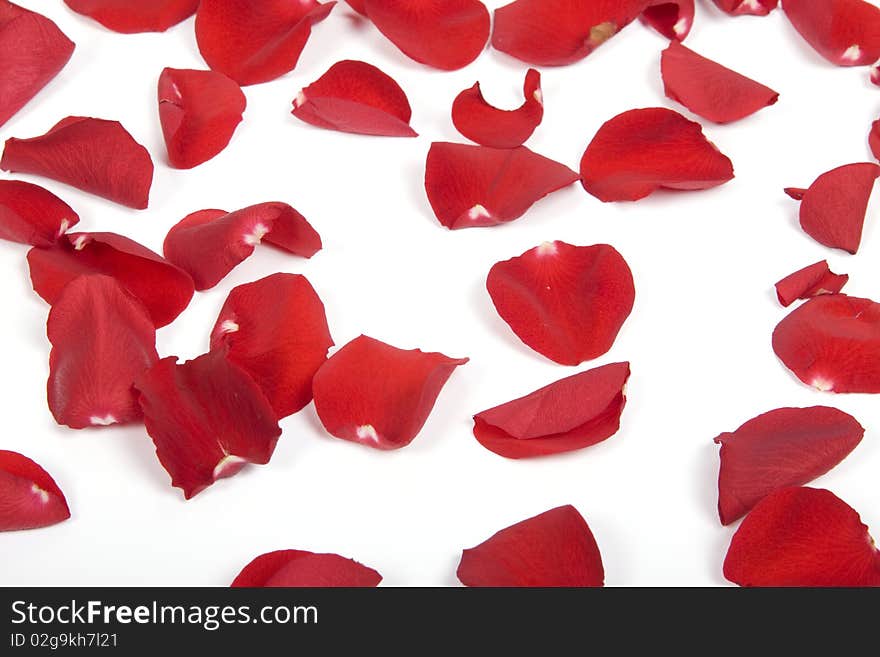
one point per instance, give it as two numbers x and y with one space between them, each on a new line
809 282
298 568
199 112
211 243
555 548
747 7
29 497
570 414
165 290
874 139
802 537
489 126
102 340
643 150
671 18
93 155
356 97
470 186
133 16
845 32
371 393
784 447
276 331
32 215
207 418
565 302
358 6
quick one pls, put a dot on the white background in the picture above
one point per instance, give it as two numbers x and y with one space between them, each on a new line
698 339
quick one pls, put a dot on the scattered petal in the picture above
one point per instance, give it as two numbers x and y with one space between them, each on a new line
671 18
747 7
134 16
29 497
845 32
874 139
809 282
32 215
298 568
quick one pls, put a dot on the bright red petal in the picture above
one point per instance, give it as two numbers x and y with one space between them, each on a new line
555 548
93 155
298 568
29 497
133 16
809 282
211 243
565 302
671 18
371 393
874 139
356 97
785 447
32 215
470 186
570 414
207 418
640 151
802 537
845 32
358 6
747 7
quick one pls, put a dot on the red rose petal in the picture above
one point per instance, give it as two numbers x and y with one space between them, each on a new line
32 215
275 329
93 155
747 7
133 16
845 32
709 89
256 42
643 150
832 342
356 97
165 290
565 302
874 139
489 126
199 112
784 447
555 548
570 414
298 568
211 243
102 340
809 282
671 18
470 186
444 34
30 497
833 208
207 418
358 6
32 52
802 537
371 393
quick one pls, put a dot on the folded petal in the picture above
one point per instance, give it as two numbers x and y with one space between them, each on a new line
747 7
555 548
845 32
93 155
371 393
671 18
643 150
470 186
874 139
811 281
565 302
133 16
298 568
29 497
32 215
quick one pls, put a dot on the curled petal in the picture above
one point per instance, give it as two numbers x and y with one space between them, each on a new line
845 32
32 215
671 18
29 497
133 16
874 139
747 7
809 282
298 568
565 302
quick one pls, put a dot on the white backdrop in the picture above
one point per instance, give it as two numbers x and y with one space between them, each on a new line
698 339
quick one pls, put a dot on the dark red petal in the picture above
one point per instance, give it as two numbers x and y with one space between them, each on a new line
211 243
207 418
555 548
102 340
93 155
298 568
572 413
256 42
874 139
747 7
809 282
29 497
199 112
565 302
32 215
671 18
356 97
377 395
275 329
833 208
133 16
845 32
709 89
643 150
785 447
445 34
165 290
802 537
470 186
32 52
832 342
489 126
